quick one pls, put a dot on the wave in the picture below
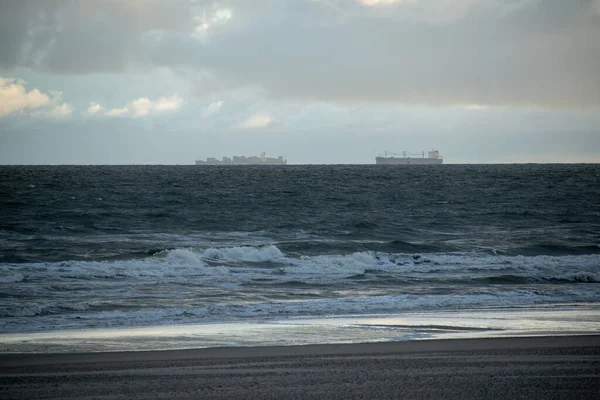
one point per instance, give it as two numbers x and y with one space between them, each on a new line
244 263
60 243
309 306
244 253
230 283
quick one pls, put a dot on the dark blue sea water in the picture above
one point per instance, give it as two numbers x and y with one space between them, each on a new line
127 246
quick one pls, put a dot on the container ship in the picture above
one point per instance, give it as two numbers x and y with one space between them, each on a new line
243 160
433 158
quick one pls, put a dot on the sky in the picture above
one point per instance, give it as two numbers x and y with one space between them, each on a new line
316 81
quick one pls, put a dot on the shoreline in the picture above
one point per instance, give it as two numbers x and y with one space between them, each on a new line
557 320
330 349
499 368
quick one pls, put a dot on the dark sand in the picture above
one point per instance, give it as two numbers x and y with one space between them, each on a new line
508 368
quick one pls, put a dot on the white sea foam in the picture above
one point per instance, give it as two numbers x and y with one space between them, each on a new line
220 260
349 264
241 282
244 253
495 322
184 257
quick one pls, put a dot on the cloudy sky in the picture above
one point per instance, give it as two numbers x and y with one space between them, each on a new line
317 81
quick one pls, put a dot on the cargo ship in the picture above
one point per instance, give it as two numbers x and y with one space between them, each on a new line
243 160
433 158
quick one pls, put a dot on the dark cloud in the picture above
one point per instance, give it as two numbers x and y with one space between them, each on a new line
434 52
78 37
545 53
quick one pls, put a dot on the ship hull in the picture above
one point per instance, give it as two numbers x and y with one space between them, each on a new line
243 160
241 163
407 161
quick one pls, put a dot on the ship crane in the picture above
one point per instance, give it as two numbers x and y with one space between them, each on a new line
404 154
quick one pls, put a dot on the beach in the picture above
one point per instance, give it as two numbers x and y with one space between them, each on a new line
499 368
349 281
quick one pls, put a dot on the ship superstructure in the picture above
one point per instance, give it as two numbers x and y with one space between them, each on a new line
244 160
433 158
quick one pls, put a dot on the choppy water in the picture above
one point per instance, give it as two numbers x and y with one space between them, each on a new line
123 246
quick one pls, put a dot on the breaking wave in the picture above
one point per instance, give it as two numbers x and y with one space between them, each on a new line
222 260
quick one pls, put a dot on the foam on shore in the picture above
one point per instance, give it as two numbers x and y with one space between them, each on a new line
556 320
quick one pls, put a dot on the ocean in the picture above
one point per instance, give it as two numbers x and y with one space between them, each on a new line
135 257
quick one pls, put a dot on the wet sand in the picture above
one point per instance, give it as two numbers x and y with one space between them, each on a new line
508 368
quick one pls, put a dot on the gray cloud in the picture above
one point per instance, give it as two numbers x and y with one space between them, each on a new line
75 37
544 53
433 52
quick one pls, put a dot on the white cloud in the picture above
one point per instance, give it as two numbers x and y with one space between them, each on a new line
63 110
167 104
213 108
381 2
143 106
257 121
475 107
14 97
117 112
208 20
140 107
94 108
